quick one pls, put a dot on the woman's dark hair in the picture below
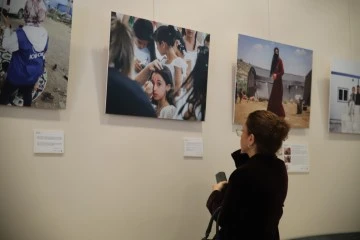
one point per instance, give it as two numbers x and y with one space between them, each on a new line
165 34
268 129
144 30
184 34
198 76
165 73
121 52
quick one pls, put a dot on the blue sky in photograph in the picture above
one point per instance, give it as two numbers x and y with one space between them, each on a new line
259 52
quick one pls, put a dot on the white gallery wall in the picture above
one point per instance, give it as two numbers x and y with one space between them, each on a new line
124 177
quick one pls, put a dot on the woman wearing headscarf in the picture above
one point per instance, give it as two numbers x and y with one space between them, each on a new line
276 95
28 45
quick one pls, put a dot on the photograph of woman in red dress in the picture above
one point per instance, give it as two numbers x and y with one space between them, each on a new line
272 76
276 72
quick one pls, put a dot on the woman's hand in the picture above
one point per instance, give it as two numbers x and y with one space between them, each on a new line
5 20
274 76
148 88
154 65
138 66
219 186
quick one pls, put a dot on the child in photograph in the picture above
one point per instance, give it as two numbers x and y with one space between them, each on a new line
165 38
191 105
180 51
241 94
351 104
288 159
144 47
191 44
287 151
163 93
28 45
276 95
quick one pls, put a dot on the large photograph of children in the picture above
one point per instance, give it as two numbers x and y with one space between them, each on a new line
344 103
34 52
275 77
156 70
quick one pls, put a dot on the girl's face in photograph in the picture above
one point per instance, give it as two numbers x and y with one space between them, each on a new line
141 43
161 47
190 33
160 87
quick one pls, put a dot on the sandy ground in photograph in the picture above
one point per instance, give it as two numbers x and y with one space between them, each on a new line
243 109
57 54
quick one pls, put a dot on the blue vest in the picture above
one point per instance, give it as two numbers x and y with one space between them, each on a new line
26 64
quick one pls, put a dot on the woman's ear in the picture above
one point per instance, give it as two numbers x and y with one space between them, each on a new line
251 139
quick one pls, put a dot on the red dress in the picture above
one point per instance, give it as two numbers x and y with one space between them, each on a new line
276 95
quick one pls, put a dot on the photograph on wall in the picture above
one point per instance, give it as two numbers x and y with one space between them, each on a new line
34 52
156 70
275 77
344 102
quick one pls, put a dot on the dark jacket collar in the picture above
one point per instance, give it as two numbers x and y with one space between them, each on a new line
242 158
239 158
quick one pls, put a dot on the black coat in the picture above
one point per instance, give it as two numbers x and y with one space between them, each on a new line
253 199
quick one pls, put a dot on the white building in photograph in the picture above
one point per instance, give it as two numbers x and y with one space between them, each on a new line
340 90
344 117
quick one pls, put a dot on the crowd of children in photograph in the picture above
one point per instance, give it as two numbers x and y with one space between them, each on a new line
156 70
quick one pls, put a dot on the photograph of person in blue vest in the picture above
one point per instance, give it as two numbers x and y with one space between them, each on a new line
156 70
34 53
275 77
